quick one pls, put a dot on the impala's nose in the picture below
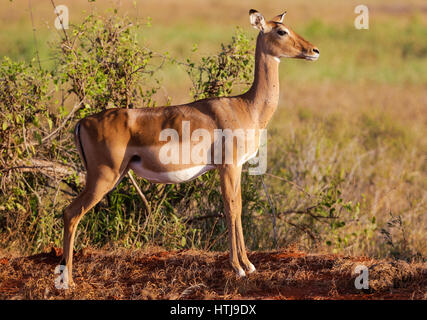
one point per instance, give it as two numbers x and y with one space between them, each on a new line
313 54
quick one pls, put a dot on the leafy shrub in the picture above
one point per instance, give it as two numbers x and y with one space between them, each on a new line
218 75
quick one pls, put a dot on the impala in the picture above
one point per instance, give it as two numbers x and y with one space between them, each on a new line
114 141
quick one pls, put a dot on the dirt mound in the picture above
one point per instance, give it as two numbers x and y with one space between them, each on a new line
191 274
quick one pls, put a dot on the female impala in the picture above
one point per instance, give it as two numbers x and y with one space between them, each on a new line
116 140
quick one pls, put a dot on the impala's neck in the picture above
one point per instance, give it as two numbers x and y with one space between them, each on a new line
263 96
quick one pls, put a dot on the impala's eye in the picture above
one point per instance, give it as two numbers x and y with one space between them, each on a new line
281 32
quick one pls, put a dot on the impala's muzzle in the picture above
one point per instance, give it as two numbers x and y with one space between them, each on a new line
312 54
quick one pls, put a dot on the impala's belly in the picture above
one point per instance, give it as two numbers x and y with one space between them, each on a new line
246 157
172 176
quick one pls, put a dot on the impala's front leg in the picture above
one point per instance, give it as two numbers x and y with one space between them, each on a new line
241 241
230 189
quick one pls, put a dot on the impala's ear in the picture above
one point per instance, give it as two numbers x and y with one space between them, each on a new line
279 18
257 20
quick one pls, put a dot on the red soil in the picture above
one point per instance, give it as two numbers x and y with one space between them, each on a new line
191 274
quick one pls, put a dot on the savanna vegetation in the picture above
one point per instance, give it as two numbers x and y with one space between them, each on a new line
346 149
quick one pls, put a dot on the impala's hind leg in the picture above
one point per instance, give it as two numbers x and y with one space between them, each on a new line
96 187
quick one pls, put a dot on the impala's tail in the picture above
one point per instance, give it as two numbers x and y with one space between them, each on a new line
79 145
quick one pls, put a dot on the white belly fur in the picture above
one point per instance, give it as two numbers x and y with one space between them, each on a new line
247 157
172 176
178 176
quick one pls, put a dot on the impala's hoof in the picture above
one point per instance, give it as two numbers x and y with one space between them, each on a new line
251 268
241 273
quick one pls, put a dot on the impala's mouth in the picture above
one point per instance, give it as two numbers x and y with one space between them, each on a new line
313 57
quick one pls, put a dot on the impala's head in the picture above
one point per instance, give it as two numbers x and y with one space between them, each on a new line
279 40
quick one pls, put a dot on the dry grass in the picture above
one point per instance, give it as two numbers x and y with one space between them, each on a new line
374 134
190 274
